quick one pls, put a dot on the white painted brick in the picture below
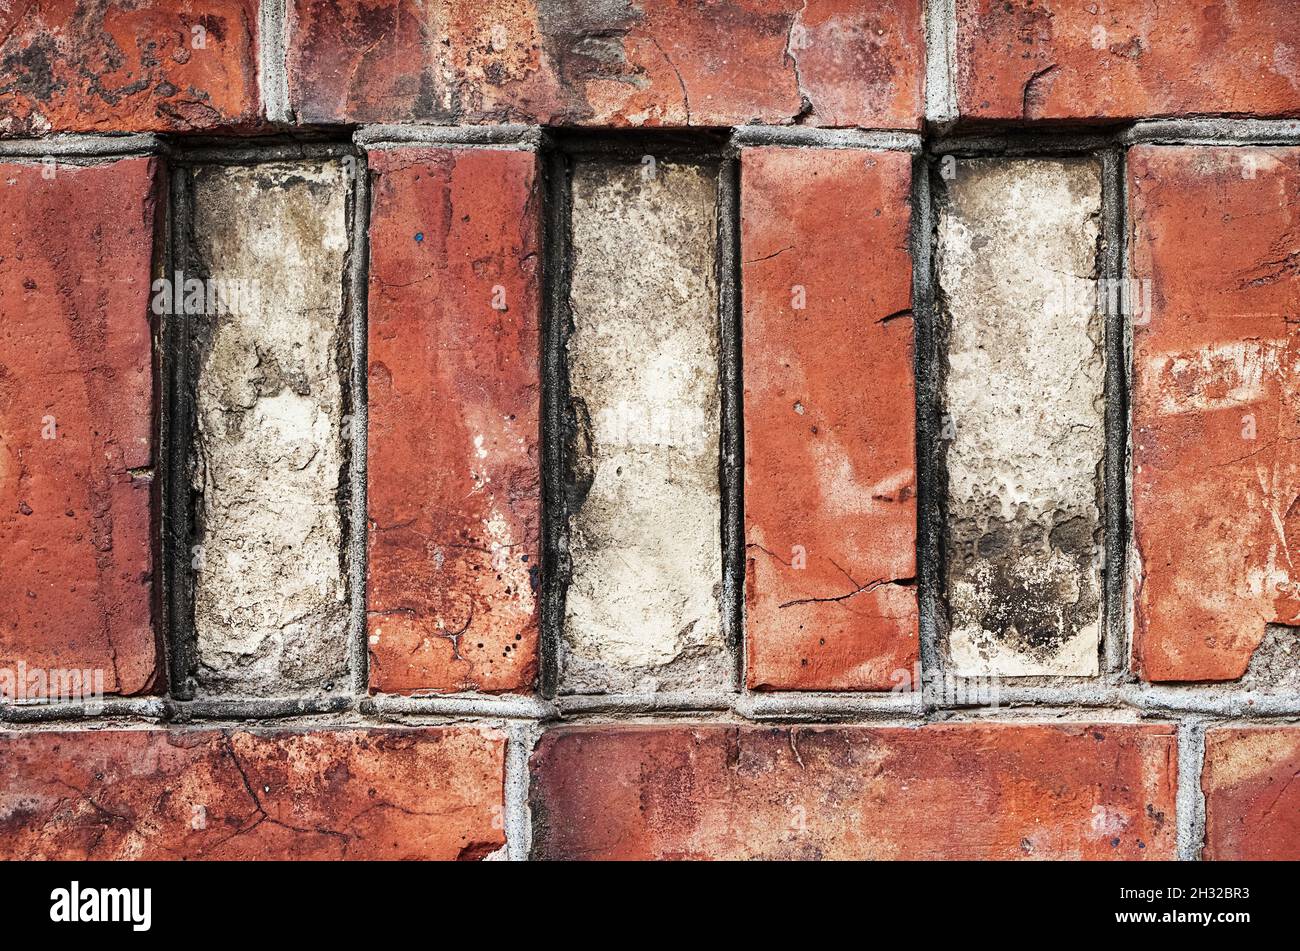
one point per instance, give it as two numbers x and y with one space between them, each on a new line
1024 405
642 611
270 596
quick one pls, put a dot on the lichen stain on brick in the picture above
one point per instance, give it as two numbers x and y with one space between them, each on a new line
1017 266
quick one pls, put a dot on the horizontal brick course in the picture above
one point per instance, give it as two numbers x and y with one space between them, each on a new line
1122 59
149 66
204 794
667 63
969 791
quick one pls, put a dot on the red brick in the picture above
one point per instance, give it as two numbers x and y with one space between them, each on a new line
671 62
965 791
454 479
1215 476
76 254
830 477
1252 804
207 794
1120 59
75 66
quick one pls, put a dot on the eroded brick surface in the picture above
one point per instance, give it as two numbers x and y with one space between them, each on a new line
642 610
1060 59
670 62
1216 477
148 65
1252 803
76 427
205 794
830 478
1023 422
454 489
968 791
270 591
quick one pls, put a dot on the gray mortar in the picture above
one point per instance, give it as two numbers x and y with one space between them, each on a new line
396 136
810 137
940 63
272 74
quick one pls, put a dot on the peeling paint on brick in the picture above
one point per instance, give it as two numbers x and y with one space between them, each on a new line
271 608
1024 420
643 611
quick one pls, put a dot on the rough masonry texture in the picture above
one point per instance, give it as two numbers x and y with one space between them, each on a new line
830 469
77 429
585 429
1023 421
454 483
643 608
966 791
1252 803
1215 403
1119 59
433 793
270 593
147 65
608 62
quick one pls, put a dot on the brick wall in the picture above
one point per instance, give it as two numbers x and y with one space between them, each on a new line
731 429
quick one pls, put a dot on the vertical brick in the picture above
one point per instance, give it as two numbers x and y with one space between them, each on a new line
271 608
963 791
76 428
151 65
1126 59
669 63
1252 803
643 607
830 467
1215 482
454 488
434 793
1024 423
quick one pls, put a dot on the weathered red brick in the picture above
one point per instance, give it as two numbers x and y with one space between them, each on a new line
1118 59
671 62
1252 803
76 424
830 467
208 794
152 65
454 478
963 791
1216 474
